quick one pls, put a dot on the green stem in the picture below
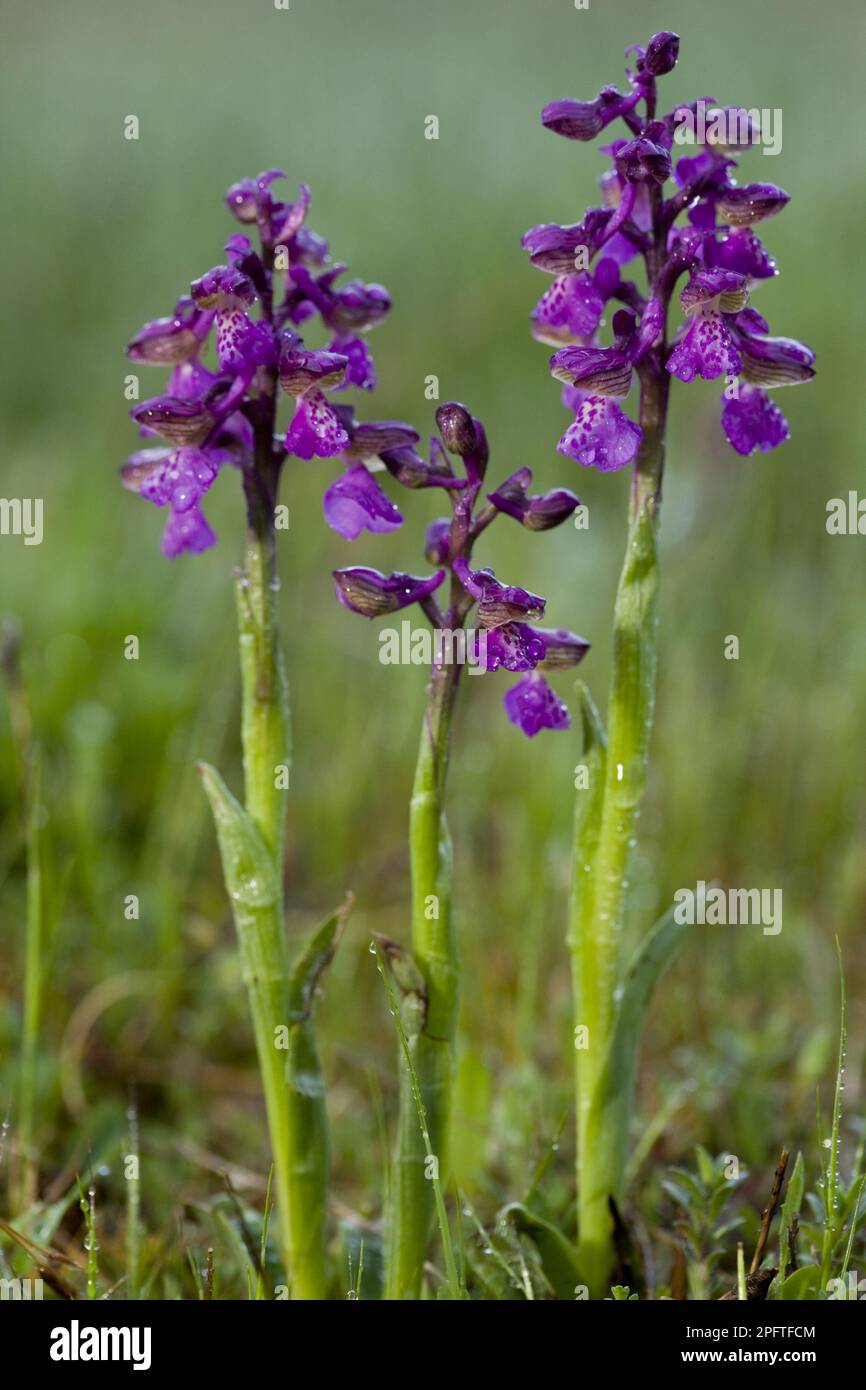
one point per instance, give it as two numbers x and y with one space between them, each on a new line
434 948
291 1079
604 838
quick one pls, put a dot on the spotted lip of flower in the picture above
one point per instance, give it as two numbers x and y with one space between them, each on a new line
729 287
222 287
373 594
531 705
643 161
570 309
740 207
183 422
751 420
600 371
178 479
316 430
601 435
706 349
300 369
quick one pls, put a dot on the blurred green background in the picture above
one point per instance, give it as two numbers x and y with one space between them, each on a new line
757 772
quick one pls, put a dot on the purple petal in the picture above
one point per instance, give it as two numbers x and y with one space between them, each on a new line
753 421
222 287
360 371
166 341
242 345
742 251
601 436
372 594
576 120
357 306
437 543
356 503
533 706
570 308
552 247
740 207
186 532
773 361
599 371
562 649
180 421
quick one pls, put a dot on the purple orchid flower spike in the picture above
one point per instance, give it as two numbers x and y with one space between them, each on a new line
249 308
693 227
234 353
487 625
505 637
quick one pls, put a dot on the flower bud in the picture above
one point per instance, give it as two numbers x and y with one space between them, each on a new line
576 120
457 428
241 200
510 497
661 54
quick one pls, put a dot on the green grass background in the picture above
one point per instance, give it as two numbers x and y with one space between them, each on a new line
757 772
